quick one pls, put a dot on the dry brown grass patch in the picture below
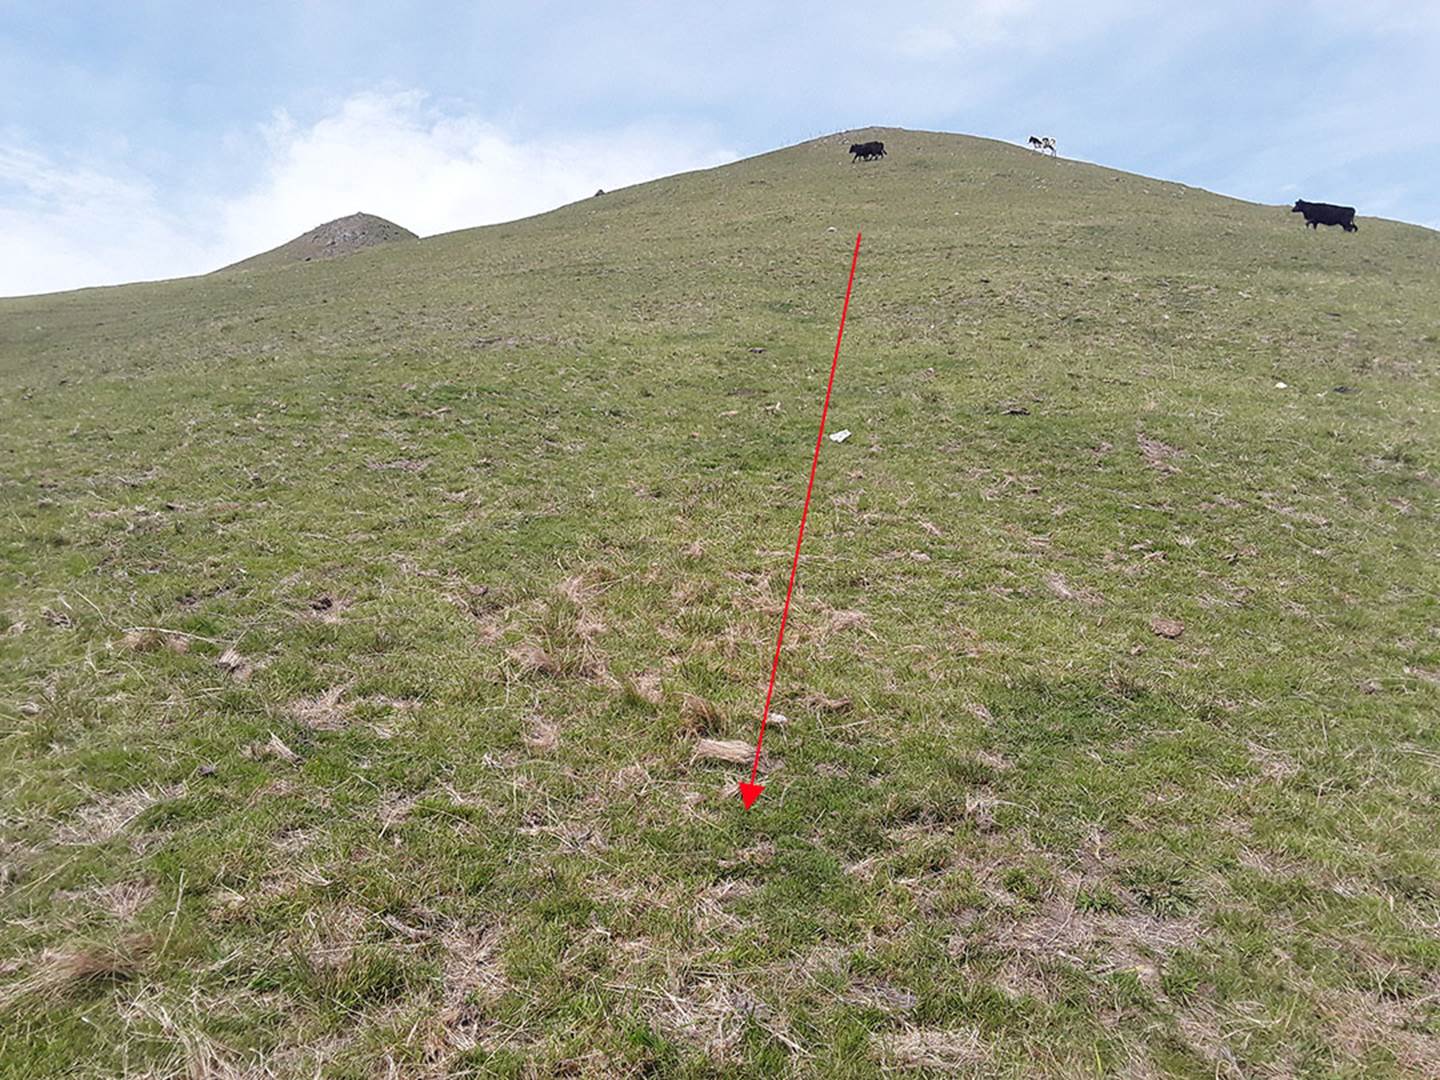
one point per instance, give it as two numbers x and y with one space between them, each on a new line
823 702
108 816
933 1048
735 751
1160 456
149 639
323 712
644 687
273 748
121 900
541 734
236 666
699 716
1057 584
57 973
531 657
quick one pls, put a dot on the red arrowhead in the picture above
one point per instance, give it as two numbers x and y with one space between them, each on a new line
749 793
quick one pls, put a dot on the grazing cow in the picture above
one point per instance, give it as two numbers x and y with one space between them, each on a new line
1043 143
866 151
1324 213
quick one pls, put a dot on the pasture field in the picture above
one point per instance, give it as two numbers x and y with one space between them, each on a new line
366 626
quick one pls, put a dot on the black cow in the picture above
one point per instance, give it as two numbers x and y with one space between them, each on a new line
865 151
1324 213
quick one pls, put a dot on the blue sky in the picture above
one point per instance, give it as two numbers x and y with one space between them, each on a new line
154 139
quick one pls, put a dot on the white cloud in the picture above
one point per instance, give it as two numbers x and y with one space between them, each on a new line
64 226
68 225
392 155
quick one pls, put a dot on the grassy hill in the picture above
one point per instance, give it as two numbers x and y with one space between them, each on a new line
366 617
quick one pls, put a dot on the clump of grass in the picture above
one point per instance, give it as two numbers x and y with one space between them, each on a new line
699 716
1163 893
59 973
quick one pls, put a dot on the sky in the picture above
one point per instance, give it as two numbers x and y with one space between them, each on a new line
157 139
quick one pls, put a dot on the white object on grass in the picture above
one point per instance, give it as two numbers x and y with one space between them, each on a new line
840 436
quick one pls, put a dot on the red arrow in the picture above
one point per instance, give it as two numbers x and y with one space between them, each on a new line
751 791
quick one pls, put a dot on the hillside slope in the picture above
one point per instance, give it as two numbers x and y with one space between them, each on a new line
368 620
343 236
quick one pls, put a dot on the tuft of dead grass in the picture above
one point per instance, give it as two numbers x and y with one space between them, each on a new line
822 702
1057 584
736 751
236 666
57 973
699 716
644 687
541 734
1160 456
933 1048
200 1056
149 639
274 748
108 816
323 712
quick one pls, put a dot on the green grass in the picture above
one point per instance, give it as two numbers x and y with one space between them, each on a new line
468 519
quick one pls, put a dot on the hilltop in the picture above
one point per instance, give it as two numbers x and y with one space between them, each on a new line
379 629
343 236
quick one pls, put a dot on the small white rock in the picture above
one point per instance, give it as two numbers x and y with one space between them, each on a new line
840 436
1282 386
